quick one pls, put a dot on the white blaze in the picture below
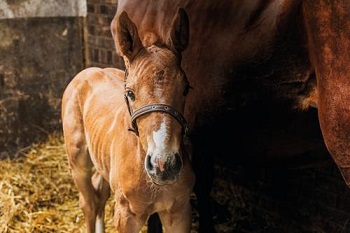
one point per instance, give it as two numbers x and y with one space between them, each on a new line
159 137
157 148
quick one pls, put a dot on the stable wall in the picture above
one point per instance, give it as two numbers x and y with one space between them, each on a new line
41 49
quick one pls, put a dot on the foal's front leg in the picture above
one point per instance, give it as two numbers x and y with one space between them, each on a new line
125 220
103 192
93 190
177 220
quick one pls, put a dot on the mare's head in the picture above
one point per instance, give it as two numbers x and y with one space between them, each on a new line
155 92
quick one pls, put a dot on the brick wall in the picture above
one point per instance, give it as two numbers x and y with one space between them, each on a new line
100 50
314 199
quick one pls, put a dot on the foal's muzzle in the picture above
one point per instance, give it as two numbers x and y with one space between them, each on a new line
164 170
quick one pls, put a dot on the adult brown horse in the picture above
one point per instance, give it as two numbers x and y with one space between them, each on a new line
298 50
148 170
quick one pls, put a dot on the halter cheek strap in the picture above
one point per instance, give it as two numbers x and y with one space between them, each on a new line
154 108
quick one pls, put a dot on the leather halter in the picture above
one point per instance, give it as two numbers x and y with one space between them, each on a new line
154 108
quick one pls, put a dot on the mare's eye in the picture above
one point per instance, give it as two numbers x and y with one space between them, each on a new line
186 90
130 94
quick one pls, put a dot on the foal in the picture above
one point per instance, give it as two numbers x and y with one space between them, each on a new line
125 132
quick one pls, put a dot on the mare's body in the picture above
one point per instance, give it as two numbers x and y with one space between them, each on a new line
244 53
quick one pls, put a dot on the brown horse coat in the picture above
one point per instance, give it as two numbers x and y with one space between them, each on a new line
224 36
299 49
147 170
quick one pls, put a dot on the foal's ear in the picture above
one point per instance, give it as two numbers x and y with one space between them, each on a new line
126 37
179 32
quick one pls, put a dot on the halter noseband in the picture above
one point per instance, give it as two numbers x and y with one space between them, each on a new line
154 108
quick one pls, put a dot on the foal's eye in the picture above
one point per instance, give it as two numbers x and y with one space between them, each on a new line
131 95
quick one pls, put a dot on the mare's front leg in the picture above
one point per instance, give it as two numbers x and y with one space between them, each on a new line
203 168
154 224
177 220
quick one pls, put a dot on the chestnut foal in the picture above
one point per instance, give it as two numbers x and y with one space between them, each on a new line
125 133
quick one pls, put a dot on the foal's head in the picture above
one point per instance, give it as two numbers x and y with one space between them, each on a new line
155 92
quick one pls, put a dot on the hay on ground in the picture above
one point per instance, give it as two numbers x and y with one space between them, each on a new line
37 193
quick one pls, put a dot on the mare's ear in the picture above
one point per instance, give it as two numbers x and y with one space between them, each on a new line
126 37
179 32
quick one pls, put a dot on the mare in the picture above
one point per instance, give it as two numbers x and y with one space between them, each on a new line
255 56
125 134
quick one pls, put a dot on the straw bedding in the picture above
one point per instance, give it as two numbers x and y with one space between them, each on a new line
37 194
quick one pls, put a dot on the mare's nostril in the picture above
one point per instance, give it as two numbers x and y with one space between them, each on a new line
149 165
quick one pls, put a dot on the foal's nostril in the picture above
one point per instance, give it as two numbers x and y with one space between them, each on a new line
149 165
178 162
173 164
